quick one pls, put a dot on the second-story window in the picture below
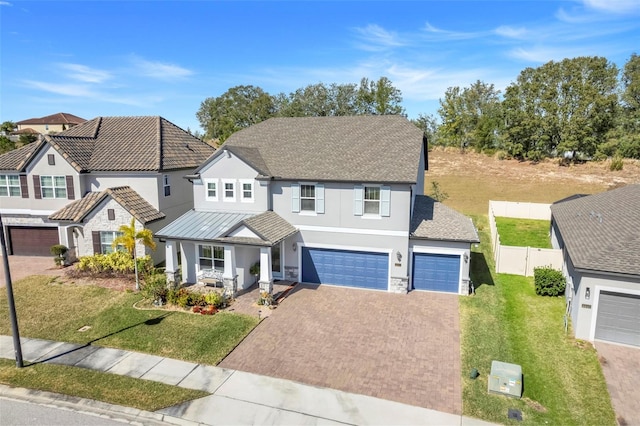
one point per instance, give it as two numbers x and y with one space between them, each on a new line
10 186
229 190
53 186
247 192
212 190
166 185
308 198
371 200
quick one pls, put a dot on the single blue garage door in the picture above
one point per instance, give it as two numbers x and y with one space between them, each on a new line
436 272
348 268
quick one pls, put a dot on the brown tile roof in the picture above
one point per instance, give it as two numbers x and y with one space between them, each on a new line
129 199
59 118
16 159
130 144
601 232
355 149
27 131
432 220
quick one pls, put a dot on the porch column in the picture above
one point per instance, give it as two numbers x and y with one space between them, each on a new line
229 277
171 255
188 254
266 273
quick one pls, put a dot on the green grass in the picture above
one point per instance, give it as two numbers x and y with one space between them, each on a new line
524 232
49 310
121 390
506 321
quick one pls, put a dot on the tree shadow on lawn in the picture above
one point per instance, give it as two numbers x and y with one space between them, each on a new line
81 347
480 272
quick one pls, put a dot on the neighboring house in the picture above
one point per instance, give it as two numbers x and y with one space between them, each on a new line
600 237
77 187
54 123
331 200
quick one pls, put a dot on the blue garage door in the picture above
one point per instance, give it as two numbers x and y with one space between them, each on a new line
348 268
436 272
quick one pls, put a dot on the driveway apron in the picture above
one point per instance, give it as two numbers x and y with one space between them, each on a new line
403 348
621 368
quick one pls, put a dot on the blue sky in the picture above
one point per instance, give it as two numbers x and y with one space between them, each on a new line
165 57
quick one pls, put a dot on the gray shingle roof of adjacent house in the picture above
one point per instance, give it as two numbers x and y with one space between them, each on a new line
130 144
433 220
355 149
602 231
129 199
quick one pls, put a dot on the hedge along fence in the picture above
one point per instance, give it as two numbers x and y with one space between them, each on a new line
521 260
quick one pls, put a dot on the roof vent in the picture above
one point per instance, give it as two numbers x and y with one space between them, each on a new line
505 379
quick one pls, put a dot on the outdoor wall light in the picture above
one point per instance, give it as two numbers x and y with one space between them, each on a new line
399 256
294 246
587 293
466 258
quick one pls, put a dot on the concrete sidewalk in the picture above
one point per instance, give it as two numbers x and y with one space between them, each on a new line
236 397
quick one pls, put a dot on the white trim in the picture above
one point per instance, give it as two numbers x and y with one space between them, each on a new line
242 182
437 250
386 233
596 304
224 190
30 212
206 183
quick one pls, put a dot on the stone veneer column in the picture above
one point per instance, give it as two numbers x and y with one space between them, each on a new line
229 277
400 285
171 256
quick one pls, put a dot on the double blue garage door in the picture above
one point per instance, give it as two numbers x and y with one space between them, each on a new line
436 272
345 267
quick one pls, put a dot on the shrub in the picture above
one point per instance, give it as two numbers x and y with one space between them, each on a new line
155 287
214 299
266 299
502 155
173 296
616 163
117 262
58 251
548 281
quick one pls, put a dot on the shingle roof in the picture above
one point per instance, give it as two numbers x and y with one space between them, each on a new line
270 226
59 118
433 220
16 158
130 144
129 199
602 231
356 149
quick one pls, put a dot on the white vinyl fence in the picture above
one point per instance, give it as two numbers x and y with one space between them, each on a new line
521 260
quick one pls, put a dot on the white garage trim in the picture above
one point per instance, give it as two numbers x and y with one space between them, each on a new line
437 250
596 301
389 252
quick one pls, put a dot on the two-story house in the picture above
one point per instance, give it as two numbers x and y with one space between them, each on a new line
77 187
327 200
53 123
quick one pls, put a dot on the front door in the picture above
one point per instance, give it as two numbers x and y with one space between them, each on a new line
276 261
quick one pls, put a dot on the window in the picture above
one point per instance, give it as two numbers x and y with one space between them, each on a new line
211 257
308 198
166 185
10 186
111 214
371 200
212 190
53 186
51 159
247 192
229 191
106 241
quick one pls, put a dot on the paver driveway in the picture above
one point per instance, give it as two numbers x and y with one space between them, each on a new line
23 266
404 348
621 368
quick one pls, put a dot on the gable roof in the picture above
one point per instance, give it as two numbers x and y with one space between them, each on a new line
601 232
129 199
17 158
432 220
59 118
383 148
130 144
269 226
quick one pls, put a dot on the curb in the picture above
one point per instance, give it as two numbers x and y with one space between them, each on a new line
91 407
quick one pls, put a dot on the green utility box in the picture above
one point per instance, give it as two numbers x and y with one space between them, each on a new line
505 379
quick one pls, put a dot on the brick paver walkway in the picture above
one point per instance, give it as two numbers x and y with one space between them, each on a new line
23 266
403 348
621 368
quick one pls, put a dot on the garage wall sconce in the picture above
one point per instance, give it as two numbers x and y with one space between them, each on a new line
399 256
466 258
294 246
587 293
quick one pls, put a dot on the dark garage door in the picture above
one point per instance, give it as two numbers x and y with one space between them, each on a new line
436 272
32 241
343 267
618 318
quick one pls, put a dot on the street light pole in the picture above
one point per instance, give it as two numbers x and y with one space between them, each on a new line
12 307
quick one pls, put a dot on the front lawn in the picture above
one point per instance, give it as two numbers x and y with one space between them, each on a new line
506 321
50 310
524 232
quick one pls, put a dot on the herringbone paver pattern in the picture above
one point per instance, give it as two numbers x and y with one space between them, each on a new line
621 368
404 348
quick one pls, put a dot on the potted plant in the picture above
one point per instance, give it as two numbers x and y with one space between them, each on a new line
58 251
255 271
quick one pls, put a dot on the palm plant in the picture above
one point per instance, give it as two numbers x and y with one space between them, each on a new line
129 238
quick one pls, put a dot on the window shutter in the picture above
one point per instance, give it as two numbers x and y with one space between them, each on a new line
358 195
71 195
111 214
36 187
385 200
24 186
51 159
320 198
295 198
97 248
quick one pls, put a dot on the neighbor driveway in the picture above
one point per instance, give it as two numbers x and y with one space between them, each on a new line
23 266
621 368
403 348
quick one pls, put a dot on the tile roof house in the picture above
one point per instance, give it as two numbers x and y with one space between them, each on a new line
51 123
600 238
322 200
77 187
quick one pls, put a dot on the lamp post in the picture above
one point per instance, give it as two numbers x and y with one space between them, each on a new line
12 307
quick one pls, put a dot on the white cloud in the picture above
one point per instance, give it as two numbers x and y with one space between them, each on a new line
85 73
376 38
511 32
613 6
5 3
76 90
441 34
159 70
